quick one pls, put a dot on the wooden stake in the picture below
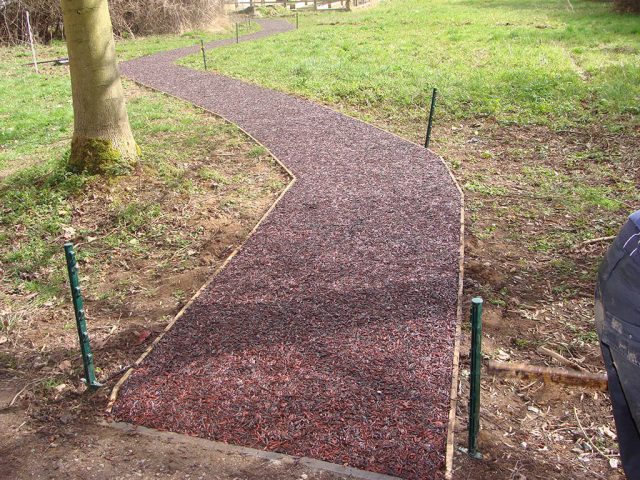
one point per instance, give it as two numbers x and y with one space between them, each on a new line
549 375
33 48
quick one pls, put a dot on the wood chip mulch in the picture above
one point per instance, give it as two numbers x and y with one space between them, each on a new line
331 334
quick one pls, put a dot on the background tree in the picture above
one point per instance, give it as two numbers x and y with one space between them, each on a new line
102 139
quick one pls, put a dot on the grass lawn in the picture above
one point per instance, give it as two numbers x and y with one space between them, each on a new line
36 119
524 62
38 196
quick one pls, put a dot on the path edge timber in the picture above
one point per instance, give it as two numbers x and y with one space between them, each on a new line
455 370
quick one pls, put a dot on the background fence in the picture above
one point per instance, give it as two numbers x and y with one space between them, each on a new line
299 5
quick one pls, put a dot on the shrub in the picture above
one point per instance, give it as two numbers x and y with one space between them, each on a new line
628 6
129 17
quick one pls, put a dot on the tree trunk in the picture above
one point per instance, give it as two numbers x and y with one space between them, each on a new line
102 139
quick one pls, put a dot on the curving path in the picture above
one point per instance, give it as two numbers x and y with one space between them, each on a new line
331 333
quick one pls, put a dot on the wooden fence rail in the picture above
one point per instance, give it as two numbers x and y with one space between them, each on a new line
298 4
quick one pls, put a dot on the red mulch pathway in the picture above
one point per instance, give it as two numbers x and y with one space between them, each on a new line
331 334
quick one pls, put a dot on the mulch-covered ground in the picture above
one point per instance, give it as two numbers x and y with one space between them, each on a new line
331 334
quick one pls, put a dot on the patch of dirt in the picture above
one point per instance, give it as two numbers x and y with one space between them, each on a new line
527 215
64 445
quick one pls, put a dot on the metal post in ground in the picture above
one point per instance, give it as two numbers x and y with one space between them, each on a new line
204 54
427 140
297 22
237 33
474 378
81 321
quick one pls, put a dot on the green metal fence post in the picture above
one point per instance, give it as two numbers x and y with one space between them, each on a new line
81 321
476 359
427 140
204 55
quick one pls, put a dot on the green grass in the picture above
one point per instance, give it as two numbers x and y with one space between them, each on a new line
37 203
41 202
36 116
213 175
39 197
133 48
526 62
605 197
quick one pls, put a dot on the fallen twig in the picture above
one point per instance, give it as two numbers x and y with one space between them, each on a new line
103 341
595 240
23 390
559 358
575 412
60 61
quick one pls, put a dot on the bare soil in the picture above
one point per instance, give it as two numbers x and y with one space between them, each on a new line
65 445
537 296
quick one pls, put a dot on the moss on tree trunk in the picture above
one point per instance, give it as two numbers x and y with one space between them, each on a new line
98 155
102 139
